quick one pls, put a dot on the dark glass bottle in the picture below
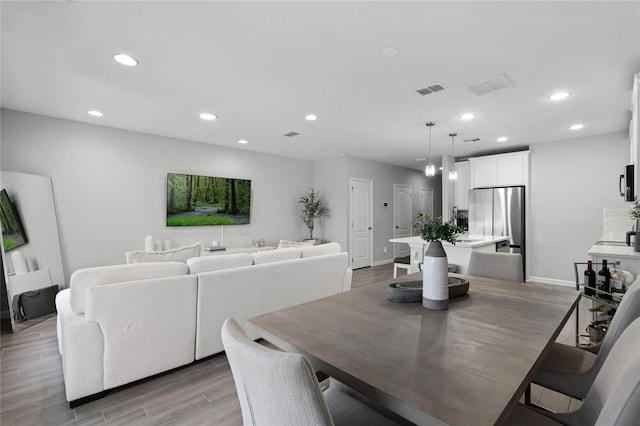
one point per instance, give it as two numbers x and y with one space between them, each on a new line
605 281
589 280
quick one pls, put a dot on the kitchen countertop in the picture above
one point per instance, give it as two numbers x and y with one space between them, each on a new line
464 240
604 249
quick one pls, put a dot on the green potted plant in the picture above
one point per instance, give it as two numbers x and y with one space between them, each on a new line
311 209
436 230
435 277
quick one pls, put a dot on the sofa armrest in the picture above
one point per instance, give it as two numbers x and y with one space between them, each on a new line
81 345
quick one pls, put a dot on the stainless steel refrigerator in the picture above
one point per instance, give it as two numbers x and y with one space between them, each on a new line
500 212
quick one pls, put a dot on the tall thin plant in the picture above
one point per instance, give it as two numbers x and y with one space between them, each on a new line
312 208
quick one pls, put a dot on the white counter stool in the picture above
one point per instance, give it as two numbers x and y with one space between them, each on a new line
403 262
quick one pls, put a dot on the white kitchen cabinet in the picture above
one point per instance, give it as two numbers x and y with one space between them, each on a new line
463 184
484 172
500 170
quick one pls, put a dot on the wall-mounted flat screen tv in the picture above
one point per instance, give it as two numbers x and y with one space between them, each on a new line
204 200
13 235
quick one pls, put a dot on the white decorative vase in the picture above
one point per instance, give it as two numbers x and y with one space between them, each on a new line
149 245
435 278
19 263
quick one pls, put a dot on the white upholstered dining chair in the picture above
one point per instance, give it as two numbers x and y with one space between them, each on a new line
570 370
612 400
281 388
500 266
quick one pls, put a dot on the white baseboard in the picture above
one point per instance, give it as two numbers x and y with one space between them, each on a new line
553 281
382 262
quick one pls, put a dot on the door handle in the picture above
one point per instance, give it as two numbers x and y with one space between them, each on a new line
370 228
397 227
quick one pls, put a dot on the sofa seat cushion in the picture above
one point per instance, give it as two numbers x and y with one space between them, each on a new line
271 256
217 262
83 279
320 250
176 255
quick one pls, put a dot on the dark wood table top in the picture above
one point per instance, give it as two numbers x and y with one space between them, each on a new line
466 365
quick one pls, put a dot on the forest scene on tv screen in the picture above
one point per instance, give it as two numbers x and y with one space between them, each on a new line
203 200
13 235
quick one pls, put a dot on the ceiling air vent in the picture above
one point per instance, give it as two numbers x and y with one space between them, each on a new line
437 87
471 140
491 84
291 134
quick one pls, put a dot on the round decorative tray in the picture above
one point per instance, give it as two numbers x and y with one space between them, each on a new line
411 291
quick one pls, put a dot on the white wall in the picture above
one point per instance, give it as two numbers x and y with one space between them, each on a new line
571 182
109 186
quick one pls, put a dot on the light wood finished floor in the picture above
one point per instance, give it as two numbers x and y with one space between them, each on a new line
32 388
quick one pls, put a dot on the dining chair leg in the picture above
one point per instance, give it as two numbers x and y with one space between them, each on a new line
527 395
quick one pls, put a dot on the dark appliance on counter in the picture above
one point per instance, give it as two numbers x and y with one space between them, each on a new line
628 192
499 212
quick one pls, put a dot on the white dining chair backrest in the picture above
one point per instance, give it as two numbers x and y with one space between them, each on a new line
281 388
500 266
614 398
558 370
274 387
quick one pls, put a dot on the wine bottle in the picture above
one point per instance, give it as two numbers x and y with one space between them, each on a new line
589 280
605 281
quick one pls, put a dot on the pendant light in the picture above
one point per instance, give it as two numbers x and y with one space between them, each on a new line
453 174
430 170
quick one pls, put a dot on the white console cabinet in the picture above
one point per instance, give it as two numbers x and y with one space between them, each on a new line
500 170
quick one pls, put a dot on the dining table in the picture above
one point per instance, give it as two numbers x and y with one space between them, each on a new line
467 365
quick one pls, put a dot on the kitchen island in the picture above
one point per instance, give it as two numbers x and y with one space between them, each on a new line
458 254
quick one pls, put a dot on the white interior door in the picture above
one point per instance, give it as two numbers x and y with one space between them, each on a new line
426 201
361 219
402 217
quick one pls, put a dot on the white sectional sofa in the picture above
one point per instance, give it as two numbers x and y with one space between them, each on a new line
118 324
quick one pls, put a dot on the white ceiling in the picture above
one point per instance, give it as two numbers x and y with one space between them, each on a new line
262 66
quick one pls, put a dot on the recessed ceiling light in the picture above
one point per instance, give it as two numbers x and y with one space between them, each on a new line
467 116
390 51
559 96
124 59
243 141
576 126
95 113
310 117
208 116
502 139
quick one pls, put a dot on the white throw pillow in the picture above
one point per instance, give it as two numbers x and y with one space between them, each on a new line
320 250
287 244
271 256
176 255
